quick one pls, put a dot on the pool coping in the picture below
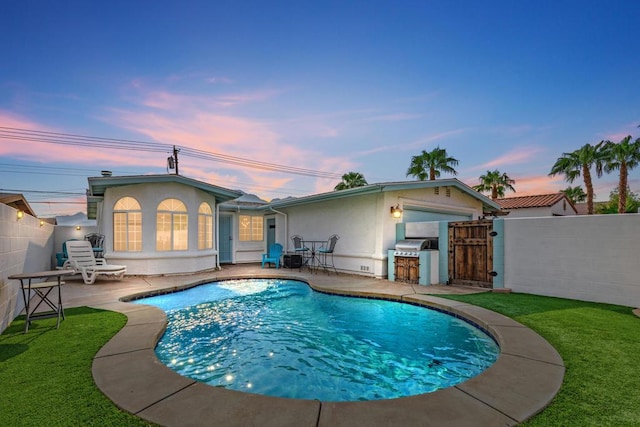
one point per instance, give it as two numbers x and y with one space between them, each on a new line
525 378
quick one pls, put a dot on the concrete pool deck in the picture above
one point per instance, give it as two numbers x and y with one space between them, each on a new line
522 382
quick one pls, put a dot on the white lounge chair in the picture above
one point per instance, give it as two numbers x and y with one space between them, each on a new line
82 260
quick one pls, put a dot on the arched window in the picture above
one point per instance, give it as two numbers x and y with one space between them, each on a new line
127 225
172 227
205 226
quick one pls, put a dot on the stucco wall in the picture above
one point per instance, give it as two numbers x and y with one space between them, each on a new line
24 246
149 261
590 258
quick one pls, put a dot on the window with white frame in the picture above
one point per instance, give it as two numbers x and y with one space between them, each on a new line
172 226
205 226
251 228
127 225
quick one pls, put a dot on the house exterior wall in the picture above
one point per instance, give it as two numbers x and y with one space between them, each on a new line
149 261
365 225
25 246
249 251
589 258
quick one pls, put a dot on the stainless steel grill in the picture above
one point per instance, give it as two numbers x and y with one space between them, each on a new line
412 247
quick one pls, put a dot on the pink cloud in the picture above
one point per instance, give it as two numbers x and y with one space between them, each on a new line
34 149
516 156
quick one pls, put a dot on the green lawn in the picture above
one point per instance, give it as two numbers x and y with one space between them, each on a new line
600 346
45 375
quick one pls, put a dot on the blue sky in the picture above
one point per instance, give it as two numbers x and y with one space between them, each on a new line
325 86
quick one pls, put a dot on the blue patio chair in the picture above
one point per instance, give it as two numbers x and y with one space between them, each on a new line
62 257
273 255
326 253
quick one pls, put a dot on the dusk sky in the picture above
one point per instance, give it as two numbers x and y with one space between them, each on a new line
322 87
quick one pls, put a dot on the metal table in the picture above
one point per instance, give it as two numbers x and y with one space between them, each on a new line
312 261
42 290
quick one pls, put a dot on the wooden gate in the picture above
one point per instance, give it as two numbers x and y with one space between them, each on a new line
471 253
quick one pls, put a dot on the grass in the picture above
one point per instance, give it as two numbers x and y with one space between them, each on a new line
45 374
600 346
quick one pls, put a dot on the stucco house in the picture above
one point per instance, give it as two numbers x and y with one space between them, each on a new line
556 204
160 224
157 224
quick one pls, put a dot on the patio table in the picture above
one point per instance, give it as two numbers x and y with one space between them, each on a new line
42 291
313 262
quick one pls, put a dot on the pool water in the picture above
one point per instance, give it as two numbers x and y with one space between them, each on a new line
280 338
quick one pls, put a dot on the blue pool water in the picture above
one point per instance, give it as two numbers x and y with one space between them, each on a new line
281 338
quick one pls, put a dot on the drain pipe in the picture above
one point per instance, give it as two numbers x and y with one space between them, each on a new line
218 237
286 227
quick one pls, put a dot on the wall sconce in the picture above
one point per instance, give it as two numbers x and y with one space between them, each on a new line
78 227
396 212
41 222
20 214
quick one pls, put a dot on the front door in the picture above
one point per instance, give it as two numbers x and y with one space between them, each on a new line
271 232
226 239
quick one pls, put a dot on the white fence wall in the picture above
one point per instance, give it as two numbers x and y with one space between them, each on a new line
590 258
24 246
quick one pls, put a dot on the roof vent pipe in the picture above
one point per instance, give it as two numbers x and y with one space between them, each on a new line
106 173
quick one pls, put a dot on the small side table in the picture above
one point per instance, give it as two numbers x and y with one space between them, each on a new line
42 290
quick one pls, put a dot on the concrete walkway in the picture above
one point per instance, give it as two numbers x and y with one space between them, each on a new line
525 378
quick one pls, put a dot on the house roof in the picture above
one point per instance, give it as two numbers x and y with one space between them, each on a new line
17 201
98 185
582 208
534 201
487 203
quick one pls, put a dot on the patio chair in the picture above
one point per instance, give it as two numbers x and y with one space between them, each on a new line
97 243
326 253
300 249
62 257
273 255
82 260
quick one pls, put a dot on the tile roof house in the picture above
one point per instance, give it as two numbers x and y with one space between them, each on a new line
556 204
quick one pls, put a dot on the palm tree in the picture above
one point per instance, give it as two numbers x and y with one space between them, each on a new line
495 182
351 180
575 194
431 164
577 163
623 157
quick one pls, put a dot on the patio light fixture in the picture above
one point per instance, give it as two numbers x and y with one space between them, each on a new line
78 227
41 222
20 214
396 211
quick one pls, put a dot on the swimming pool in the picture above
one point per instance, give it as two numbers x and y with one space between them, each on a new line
280 338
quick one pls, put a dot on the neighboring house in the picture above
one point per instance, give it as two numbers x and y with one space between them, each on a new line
157 224
18 202
583 209
556 204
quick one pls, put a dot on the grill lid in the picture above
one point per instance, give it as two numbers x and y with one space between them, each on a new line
416 244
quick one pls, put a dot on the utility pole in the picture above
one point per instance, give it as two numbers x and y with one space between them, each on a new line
175 156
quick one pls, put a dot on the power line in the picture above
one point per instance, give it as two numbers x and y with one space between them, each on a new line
133 145
14 168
